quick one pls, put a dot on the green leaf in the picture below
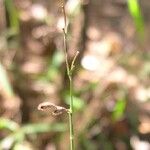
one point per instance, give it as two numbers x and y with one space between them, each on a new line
8 124
119 109
13 16
54 66
4 82
43 127
18 135
57 59
78 103
135 11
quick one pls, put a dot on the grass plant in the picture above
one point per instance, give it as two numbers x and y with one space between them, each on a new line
57 110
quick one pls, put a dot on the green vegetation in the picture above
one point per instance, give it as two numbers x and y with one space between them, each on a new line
135 11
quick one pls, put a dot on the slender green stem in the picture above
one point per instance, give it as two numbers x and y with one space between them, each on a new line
70 89
69 73
71 116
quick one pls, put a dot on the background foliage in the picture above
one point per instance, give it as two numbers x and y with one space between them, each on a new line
111 81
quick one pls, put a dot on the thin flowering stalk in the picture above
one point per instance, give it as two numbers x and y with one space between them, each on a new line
53 108
70 69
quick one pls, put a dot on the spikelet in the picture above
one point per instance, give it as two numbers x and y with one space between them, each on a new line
52 108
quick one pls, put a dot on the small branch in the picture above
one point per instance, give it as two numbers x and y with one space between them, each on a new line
73 61
66 50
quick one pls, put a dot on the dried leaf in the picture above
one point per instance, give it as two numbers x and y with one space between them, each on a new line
52 108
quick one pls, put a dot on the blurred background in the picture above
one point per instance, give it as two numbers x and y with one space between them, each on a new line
111 78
